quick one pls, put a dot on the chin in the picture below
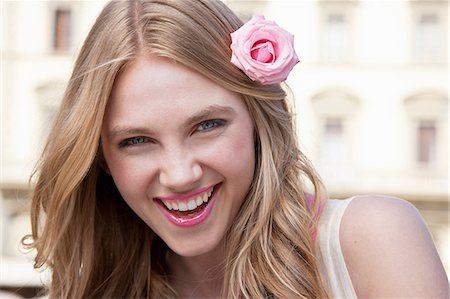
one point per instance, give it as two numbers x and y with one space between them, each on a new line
194 248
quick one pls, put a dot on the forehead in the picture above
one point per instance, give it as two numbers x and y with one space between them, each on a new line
160 87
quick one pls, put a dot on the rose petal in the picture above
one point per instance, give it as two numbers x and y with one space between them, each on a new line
263 50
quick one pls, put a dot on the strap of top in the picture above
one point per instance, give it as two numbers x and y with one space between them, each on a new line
332 263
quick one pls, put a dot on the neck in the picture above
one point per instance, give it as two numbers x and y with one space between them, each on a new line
199 276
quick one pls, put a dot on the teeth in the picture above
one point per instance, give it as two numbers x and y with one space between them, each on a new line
190 205
183 206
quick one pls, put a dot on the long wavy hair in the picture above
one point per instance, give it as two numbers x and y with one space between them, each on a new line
82 229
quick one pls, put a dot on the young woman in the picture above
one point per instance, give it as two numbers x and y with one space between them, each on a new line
173 171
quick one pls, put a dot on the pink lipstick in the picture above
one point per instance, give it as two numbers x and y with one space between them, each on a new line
188 209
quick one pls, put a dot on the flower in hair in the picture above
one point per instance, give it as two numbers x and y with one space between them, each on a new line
263 50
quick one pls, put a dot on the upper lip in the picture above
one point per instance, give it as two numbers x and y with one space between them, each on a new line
185 196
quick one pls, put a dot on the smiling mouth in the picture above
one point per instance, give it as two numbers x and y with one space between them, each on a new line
188 207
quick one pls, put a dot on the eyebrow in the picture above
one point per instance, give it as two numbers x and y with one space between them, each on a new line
207 112
119 130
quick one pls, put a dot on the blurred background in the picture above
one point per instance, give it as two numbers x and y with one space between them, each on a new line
371 96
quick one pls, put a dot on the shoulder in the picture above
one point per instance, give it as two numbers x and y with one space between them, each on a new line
389 251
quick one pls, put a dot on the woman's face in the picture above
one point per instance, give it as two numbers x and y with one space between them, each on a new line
180 149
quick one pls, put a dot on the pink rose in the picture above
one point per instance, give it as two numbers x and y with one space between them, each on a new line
263 50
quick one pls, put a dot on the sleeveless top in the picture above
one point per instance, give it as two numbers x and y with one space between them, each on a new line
331 260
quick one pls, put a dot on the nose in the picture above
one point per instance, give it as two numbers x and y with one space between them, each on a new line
180 170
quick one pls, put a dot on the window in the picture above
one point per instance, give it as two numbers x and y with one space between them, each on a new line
49 96
335 34
62 29
426 142
333 143
428 122
427 39
335 40
429 31
335 111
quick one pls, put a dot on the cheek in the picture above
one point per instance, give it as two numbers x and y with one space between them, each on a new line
132 183
130 176
242 151
235 155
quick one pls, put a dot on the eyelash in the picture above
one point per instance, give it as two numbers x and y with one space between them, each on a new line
134 141
215 123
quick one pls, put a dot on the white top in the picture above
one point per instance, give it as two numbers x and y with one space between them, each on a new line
331 259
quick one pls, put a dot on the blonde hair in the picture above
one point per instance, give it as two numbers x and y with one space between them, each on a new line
88 234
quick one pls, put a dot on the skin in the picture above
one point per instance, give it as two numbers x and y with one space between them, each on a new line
389 252
169 131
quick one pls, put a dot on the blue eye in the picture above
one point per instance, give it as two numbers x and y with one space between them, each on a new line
210 124
133 141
